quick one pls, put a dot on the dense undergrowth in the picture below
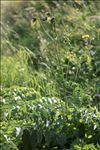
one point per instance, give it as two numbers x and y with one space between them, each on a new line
50 68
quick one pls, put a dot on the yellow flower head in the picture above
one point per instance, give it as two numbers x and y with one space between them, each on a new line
35 23
48 14
49 19
85 36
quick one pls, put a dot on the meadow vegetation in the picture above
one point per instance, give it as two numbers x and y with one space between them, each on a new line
50 75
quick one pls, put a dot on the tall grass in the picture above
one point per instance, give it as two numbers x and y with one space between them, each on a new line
15 70
54 60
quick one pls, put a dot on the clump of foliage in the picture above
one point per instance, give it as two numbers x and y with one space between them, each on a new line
86 147
34 122
50 69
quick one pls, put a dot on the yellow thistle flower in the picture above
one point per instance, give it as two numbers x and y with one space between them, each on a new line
35 23
49 19
47 14
85 36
